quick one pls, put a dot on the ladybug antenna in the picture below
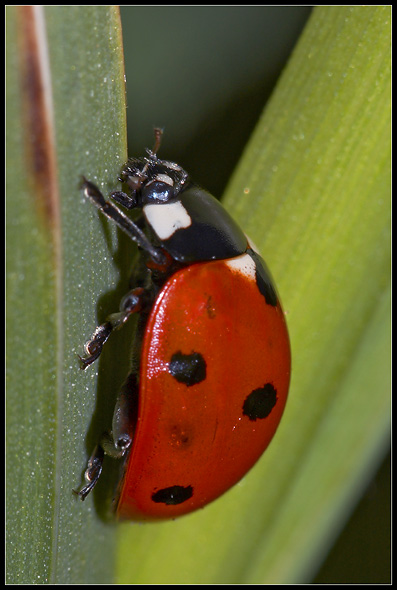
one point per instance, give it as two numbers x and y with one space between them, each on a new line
158 133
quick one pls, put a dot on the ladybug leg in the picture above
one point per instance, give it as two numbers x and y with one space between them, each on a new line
117 442
115 214
133 302
92 473
125 415
123 199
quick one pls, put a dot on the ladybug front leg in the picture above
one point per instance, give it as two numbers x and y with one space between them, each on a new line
134 232
133 302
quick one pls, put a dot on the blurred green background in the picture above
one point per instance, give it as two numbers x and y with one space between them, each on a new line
206 127
172 85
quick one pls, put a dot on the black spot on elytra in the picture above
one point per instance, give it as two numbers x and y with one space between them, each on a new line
260 402
189 369
263 279
173 495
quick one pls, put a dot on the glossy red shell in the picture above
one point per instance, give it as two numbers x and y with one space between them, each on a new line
197 436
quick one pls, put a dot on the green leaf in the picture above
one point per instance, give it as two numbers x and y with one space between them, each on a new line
313 192
65 118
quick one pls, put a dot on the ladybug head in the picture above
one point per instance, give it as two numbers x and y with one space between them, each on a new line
151 180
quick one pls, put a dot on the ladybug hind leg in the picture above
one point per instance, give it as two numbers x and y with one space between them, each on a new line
92 473
107 446
114 443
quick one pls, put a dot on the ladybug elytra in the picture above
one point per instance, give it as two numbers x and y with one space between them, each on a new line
211 355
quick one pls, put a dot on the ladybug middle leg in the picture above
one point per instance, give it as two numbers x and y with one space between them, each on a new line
131 303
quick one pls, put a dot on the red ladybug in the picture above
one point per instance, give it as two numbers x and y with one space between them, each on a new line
210 358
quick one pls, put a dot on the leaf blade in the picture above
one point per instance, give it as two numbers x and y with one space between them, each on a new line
45 414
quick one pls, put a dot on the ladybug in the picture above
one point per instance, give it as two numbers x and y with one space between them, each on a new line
210 357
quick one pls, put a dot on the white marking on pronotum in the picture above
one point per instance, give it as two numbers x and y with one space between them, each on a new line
161 178
243 264
166 218
253 245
